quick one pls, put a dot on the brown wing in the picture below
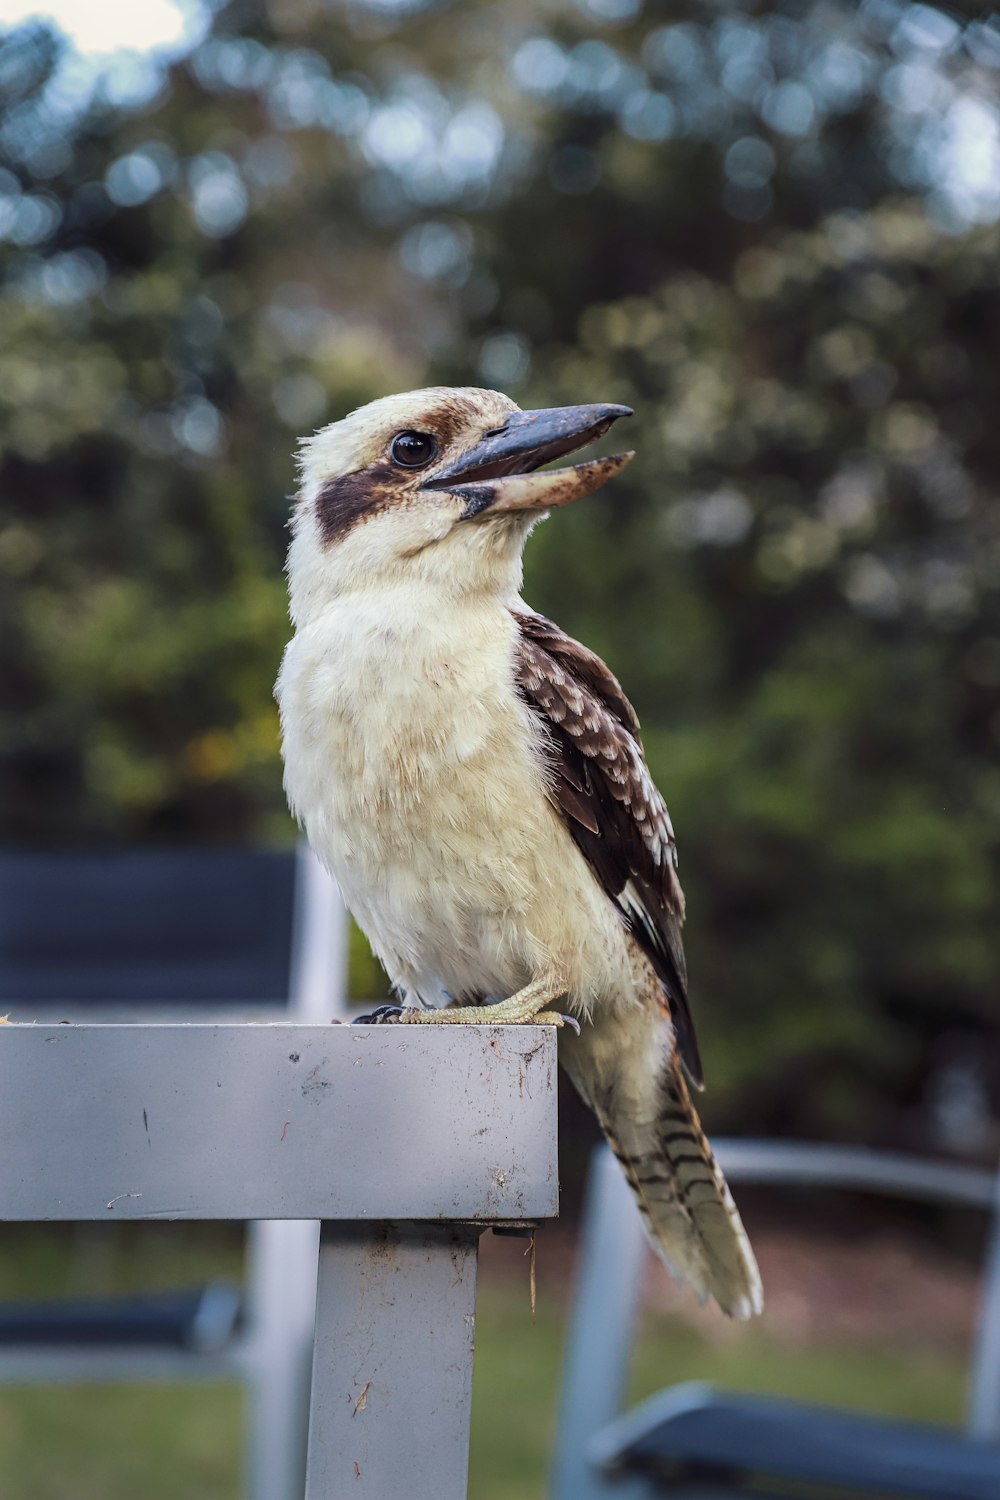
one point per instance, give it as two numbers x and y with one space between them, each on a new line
610 802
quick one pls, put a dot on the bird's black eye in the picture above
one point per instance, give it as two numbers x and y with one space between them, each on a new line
413 449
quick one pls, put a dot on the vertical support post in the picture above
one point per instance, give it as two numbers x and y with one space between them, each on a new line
318 978
602 1321
984 1395
282 1256
392 1369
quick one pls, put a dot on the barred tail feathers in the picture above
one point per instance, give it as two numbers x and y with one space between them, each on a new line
684 1199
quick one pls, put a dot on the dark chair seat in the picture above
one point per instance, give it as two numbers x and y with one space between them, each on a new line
202 1318
758 1445
203 926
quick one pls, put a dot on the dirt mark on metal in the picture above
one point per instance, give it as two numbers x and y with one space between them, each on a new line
522 1069
314 1085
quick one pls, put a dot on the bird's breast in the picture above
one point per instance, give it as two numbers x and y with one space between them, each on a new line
394 709
420 778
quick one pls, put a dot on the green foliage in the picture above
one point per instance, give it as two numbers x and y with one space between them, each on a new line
744 223
804 590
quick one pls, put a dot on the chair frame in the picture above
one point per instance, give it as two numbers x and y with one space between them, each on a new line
272 1355
611 1274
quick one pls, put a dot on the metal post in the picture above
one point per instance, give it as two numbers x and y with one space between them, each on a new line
282 1257
608 1291
318 978
984 1396
392 1368
283 1254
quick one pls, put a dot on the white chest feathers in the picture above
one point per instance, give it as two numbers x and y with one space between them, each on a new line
420 778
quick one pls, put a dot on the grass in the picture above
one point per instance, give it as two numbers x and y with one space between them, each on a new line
161 1443
121 1443
515 1390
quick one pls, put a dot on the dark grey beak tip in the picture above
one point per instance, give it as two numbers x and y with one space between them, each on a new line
614 412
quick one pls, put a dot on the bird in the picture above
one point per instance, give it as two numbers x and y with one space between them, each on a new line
474 779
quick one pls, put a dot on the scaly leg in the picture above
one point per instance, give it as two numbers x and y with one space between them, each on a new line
526 1008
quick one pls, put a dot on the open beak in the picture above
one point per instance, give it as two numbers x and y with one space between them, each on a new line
498 474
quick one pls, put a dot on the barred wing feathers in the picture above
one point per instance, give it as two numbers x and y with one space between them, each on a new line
610 802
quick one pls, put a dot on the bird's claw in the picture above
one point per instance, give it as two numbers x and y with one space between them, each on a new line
382 1015
555 1018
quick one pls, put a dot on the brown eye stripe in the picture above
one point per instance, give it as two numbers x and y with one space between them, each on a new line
342 502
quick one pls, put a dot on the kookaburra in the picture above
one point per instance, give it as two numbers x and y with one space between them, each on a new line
475 781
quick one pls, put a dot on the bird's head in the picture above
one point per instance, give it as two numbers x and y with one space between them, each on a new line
441 485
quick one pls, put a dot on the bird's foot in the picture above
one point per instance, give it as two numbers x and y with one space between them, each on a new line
526 1008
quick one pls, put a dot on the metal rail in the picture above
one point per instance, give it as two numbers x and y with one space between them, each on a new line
883 1172
406 1143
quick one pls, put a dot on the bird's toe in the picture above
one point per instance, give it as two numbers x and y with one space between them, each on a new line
382 1015
555 1018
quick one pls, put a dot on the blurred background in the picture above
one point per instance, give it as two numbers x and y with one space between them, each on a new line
773 230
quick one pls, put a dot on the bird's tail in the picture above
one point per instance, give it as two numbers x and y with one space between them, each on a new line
685 1201
646 1112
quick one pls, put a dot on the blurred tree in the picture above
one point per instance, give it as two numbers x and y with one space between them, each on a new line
817 521
773 230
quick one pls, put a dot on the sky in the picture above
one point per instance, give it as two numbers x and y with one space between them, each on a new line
101 28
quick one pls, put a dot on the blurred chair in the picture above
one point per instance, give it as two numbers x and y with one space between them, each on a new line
694 1442
205 935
